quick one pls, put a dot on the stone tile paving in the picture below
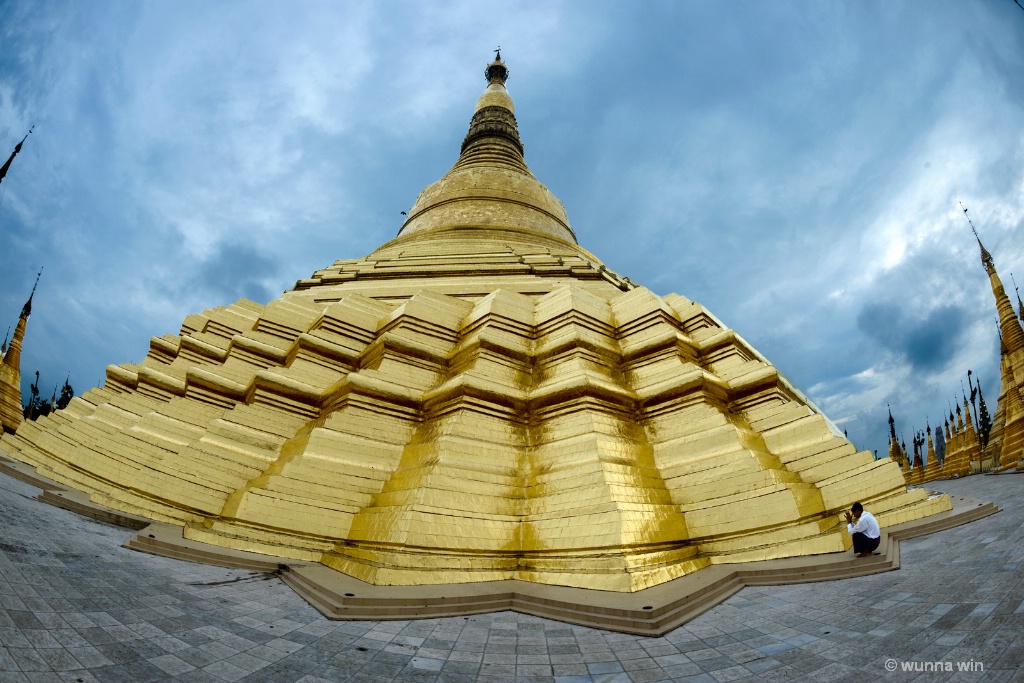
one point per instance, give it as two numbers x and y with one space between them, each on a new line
75 606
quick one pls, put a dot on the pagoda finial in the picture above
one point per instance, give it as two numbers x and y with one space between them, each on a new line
17 148
496 70
986 258
26 310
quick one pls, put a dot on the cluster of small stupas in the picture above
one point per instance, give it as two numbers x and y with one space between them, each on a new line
478 399
972 441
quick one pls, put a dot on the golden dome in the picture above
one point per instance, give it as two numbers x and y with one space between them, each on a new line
490 185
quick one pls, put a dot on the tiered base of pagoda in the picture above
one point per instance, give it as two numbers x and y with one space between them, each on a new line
653 611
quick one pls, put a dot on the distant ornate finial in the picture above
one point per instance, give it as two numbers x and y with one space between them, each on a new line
986 258
496 69
26 310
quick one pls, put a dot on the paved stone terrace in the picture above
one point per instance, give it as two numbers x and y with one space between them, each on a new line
78 607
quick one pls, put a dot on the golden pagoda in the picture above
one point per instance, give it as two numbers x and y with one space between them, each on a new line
957 462
11 410
896 452
1005 448
479 399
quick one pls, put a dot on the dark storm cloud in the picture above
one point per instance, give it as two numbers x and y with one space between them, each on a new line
928 343
237 269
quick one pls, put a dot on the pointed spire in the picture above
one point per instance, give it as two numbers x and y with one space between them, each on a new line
11 410
17 148
968 420
986 258
12 358
1009 323
26 310
494 115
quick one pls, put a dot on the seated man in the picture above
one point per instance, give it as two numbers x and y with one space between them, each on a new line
863 529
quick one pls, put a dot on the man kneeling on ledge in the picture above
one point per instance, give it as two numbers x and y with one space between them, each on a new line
863 529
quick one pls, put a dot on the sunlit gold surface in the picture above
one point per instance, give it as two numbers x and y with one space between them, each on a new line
1006 442
479 399
10 381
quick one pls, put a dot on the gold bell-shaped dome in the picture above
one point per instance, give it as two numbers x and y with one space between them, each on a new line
490 185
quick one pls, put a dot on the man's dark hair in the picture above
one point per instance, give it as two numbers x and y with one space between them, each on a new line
857 507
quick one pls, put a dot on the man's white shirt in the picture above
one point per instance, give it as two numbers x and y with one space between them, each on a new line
865 525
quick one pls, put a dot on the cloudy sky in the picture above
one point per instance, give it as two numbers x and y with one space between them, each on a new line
793 166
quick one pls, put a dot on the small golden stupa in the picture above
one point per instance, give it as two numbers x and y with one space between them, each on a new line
11 410
478 399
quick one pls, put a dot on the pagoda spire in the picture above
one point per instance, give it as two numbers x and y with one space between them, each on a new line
1020 304
895 452
494 128
26 310
1009 323
11 412
969 421
17 148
